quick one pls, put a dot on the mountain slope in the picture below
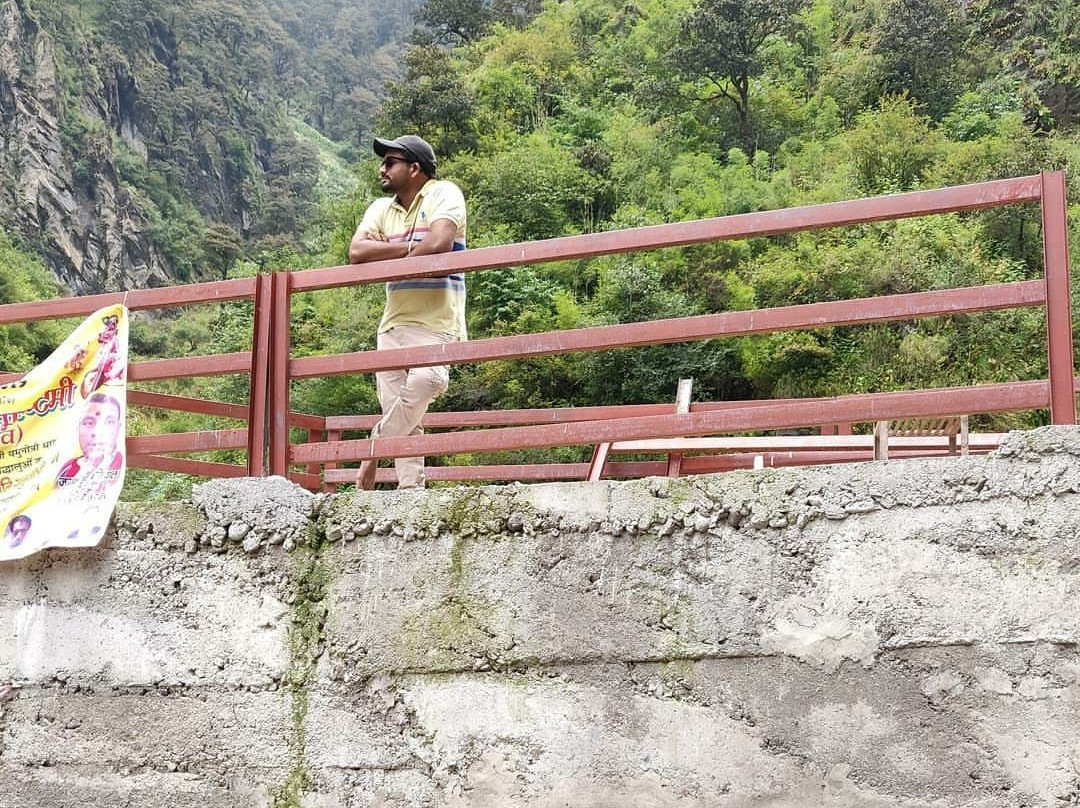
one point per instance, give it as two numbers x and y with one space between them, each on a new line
146 142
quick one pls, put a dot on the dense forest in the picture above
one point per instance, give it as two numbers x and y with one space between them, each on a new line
244 129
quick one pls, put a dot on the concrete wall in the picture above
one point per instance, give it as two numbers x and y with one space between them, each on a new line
901 634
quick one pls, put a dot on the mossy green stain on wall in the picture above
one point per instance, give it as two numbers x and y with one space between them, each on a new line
450 635
462 511
679 674
309 580
457 563
453 632
477 512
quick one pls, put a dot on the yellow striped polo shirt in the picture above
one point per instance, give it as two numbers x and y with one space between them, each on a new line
437 304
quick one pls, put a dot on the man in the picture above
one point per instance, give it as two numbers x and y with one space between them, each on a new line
17 529
423 216
99 435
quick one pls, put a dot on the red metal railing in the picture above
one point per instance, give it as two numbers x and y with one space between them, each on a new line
556 430
144 451
314 463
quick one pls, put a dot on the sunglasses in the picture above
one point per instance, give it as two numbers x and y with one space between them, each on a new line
388 162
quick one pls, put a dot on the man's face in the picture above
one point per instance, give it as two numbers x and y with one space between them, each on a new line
98 429
18 529
394 171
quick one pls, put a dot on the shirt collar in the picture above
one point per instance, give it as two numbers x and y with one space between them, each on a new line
416 199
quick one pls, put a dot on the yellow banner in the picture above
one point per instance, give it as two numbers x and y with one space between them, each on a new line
62 455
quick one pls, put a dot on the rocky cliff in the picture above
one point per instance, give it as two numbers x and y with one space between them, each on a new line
91 233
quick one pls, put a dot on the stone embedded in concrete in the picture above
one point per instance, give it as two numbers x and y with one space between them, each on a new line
256 512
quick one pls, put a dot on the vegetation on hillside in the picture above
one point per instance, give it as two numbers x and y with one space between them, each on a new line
200 104
600 114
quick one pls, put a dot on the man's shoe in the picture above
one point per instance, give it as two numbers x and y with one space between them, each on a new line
365 477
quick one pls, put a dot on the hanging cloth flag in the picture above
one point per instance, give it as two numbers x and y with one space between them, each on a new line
62 455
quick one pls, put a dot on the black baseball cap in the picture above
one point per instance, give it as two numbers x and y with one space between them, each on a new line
415 148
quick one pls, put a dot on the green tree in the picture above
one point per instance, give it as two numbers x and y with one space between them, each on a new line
431 100
891 147
456 21
920 42
221 246
1039 42
25 278
534 190
722 42
452 22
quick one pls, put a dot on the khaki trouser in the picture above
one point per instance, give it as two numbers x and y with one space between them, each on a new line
404 396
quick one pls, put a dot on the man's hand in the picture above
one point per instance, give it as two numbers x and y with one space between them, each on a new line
367 246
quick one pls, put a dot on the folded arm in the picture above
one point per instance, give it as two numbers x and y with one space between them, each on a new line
367 246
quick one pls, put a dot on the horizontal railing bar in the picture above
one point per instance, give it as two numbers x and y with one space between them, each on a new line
161 297
556 415
685 329
510 471
166 401
182 367
303 420
794 443
1004 397
185 465
679 234
178 367
204 441
703 464
312 482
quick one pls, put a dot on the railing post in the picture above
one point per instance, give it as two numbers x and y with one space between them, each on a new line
1058 309
258 392
835 429
279 374
330 436
682 407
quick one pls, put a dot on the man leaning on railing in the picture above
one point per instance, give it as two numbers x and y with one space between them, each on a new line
423 216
